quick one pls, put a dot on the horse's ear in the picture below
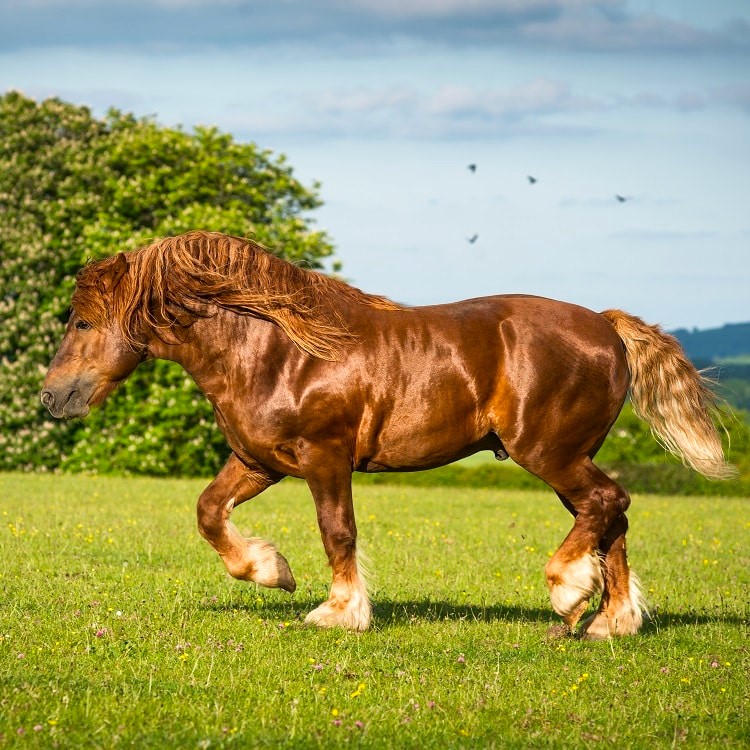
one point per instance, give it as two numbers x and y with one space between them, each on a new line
111 277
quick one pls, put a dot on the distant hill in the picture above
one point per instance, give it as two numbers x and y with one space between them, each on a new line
725 355
730 342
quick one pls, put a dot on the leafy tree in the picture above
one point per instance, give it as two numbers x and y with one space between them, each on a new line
74 188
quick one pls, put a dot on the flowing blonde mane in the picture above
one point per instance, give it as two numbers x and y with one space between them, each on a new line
176 280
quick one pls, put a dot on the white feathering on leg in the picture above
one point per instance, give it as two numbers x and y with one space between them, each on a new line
348 605
574 583
638 601
626 620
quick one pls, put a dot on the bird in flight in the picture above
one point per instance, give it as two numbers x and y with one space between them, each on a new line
472 168
473 238
531 179
621 198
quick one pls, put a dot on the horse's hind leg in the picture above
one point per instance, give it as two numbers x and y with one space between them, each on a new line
251 559
621 606
574 573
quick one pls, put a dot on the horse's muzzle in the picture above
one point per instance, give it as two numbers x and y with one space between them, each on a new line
65 404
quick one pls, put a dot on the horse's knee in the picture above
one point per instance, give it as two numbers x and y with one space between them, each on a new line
212 515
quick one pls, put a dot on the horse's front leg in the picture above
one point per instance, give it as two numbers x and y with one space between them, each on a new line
251 559
348 604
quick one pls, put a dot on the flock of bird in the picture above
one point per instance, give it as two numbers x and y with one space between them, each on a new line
532 181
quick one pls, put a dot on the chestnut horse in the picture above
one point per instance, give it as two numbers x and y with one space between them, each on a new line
312 378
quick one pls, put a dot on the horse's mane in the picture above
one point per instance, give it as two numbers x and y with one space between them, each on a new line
173 282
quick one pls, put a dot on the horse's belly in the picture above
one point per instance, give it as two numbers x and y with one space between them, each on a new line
415 460
412 443
427 413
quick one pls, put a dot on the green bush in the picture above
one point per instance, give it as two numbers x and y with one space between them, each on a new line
74 187
160 424
673 479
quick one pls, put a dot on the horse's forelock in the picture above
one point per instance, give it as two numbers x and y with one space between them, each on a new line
88 300
188 272
102 300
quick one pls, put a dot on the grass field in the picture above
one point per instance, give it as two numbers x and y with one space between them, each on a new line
120 628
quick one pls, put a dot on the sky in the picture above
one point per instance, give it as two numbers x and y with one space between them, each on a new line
387 102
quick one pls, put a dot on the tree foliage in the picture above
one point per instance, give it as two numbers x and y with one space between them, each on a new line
74 187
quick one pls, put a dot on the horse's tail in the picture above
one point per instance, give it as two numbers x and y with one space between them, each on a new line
671 395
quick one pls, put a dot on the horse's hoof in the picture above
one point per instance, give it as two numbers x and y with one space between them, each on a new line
596 628
286 579
278 574
558 631
597 637
263 564
600 627
333 615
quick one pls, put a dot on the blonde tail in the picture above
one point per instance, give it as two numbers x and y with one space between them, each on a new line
671 395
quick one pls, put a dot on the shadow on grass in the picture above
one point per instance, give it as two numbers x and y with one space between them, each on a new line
662 620
427 610
387 612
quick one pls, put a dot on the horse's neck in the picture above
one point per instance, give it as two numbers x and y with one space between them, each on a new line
222 344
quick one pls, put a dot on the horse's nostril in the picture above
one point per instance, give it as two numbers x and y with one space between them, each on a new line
48 399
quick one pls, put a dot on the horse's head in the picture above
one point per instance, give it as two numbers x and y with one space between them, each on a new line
95 355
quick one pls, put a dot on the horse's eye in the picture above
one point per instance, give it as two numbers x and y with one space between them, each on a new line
82 325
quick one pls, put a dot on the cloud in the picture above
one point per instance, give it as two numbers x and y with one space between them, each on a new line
453 8
733 96
399 9
446 112
737 95
16 5
362 101
538 97
614 30
354 25
541 96
542 107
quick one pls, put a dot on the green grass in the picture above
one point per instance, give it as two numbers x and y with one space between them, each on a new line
119 627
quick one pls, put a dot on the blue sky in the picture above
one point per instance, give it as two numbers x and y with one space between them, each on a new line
386 102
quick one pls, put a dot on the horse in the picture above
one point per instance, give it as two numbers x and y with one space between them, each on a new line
312 378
